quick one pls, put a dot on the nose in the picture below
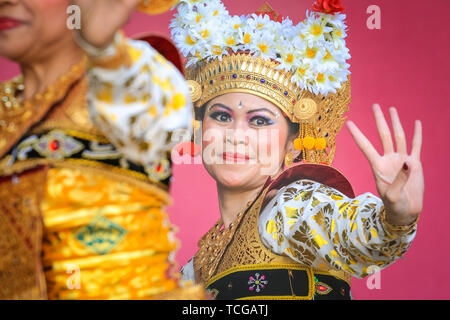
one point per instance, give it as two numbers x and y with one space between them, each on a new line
234 140
237 136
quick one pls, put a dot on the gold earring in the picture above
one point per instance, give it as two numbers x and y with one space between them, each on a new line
288 159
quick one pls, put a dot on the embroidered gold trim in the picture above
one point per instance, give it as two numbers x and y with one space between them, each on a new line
401 230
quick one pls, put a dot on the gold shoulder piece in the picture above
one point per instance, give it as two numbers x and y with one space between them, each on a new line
17 120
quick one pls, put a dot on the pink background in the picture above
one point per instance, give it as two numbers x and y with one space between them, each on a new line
405 64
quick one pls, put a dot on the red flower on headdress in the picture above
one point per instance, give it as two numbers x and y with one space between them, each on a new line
328 6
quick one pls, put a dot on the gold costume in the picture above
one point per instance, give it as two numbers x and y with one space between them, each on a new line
78 220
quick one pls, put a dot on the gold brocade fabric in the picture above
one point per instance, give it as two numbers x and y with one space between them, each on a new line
21 275
103 239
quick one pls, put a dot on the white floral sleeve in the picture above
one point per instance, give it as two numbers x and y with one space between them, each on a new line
318 226
138 99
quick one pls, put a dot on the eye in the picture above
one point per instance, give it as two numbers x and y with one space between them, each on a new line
221 116
260 121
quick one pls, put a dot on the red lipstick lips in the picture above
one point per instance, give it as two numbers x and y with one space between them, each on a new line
235 157
9 23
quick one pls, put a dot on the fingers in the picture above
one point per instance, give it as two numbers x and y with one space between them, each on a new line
383 130
417 140
399 134
362 142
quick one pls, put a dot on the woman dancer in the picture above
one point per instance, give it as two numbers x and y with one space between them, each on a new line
289 231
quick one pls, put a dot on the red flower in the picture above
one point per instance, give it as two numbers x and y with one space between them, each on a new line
328 6
188 148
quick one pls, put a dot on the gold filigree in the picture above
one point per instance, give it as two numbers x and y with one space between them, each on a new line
195 90
305 109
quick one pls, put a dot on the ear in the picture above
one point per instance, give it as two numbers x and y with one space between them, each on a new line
290 146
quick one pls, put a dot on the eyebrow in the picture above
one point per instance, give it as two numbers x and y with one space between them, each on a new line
220 105
261 109
229 109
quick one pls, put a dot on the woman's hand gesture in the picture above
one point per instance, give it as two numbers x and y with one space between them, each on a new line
398 175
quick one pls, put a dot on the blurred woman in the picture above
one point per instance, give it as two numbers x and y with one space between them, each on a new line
83 188
269 93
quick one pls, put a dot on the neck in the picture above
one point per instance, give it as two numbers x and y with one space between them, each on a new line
39 74
232 202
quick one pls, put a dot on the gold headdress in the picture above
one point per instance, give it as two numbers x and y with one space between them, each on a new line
301 69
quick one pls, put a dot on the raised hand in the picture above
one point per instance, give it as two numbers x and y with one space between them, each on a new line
100 19
398 175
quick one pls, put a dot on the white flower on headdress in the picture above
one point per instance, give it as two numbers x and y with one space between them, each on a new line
237 23
315 27
259 22
313 55
211 9
288 57
186 41
302 75
262 45
338 23
313 50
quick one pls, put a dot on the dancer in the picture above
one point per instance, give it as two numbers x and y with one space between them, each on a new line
84 187
291 226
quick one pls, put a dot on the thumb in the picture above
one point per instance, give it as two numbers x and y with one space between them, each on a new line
394 191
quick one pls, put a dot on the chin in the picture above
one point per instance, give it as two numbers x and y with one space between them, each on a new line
12 48
238 176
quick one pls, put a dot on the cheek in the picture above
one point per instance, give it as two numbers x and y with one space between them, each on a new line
207 136
273 141
49 4
50 16
212 133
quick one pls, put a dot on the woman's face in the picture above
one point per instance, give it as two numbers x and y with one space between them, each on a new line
30 29
245 139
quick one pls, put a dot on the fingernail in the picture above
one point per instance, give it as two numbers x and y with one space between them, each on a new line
405 166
